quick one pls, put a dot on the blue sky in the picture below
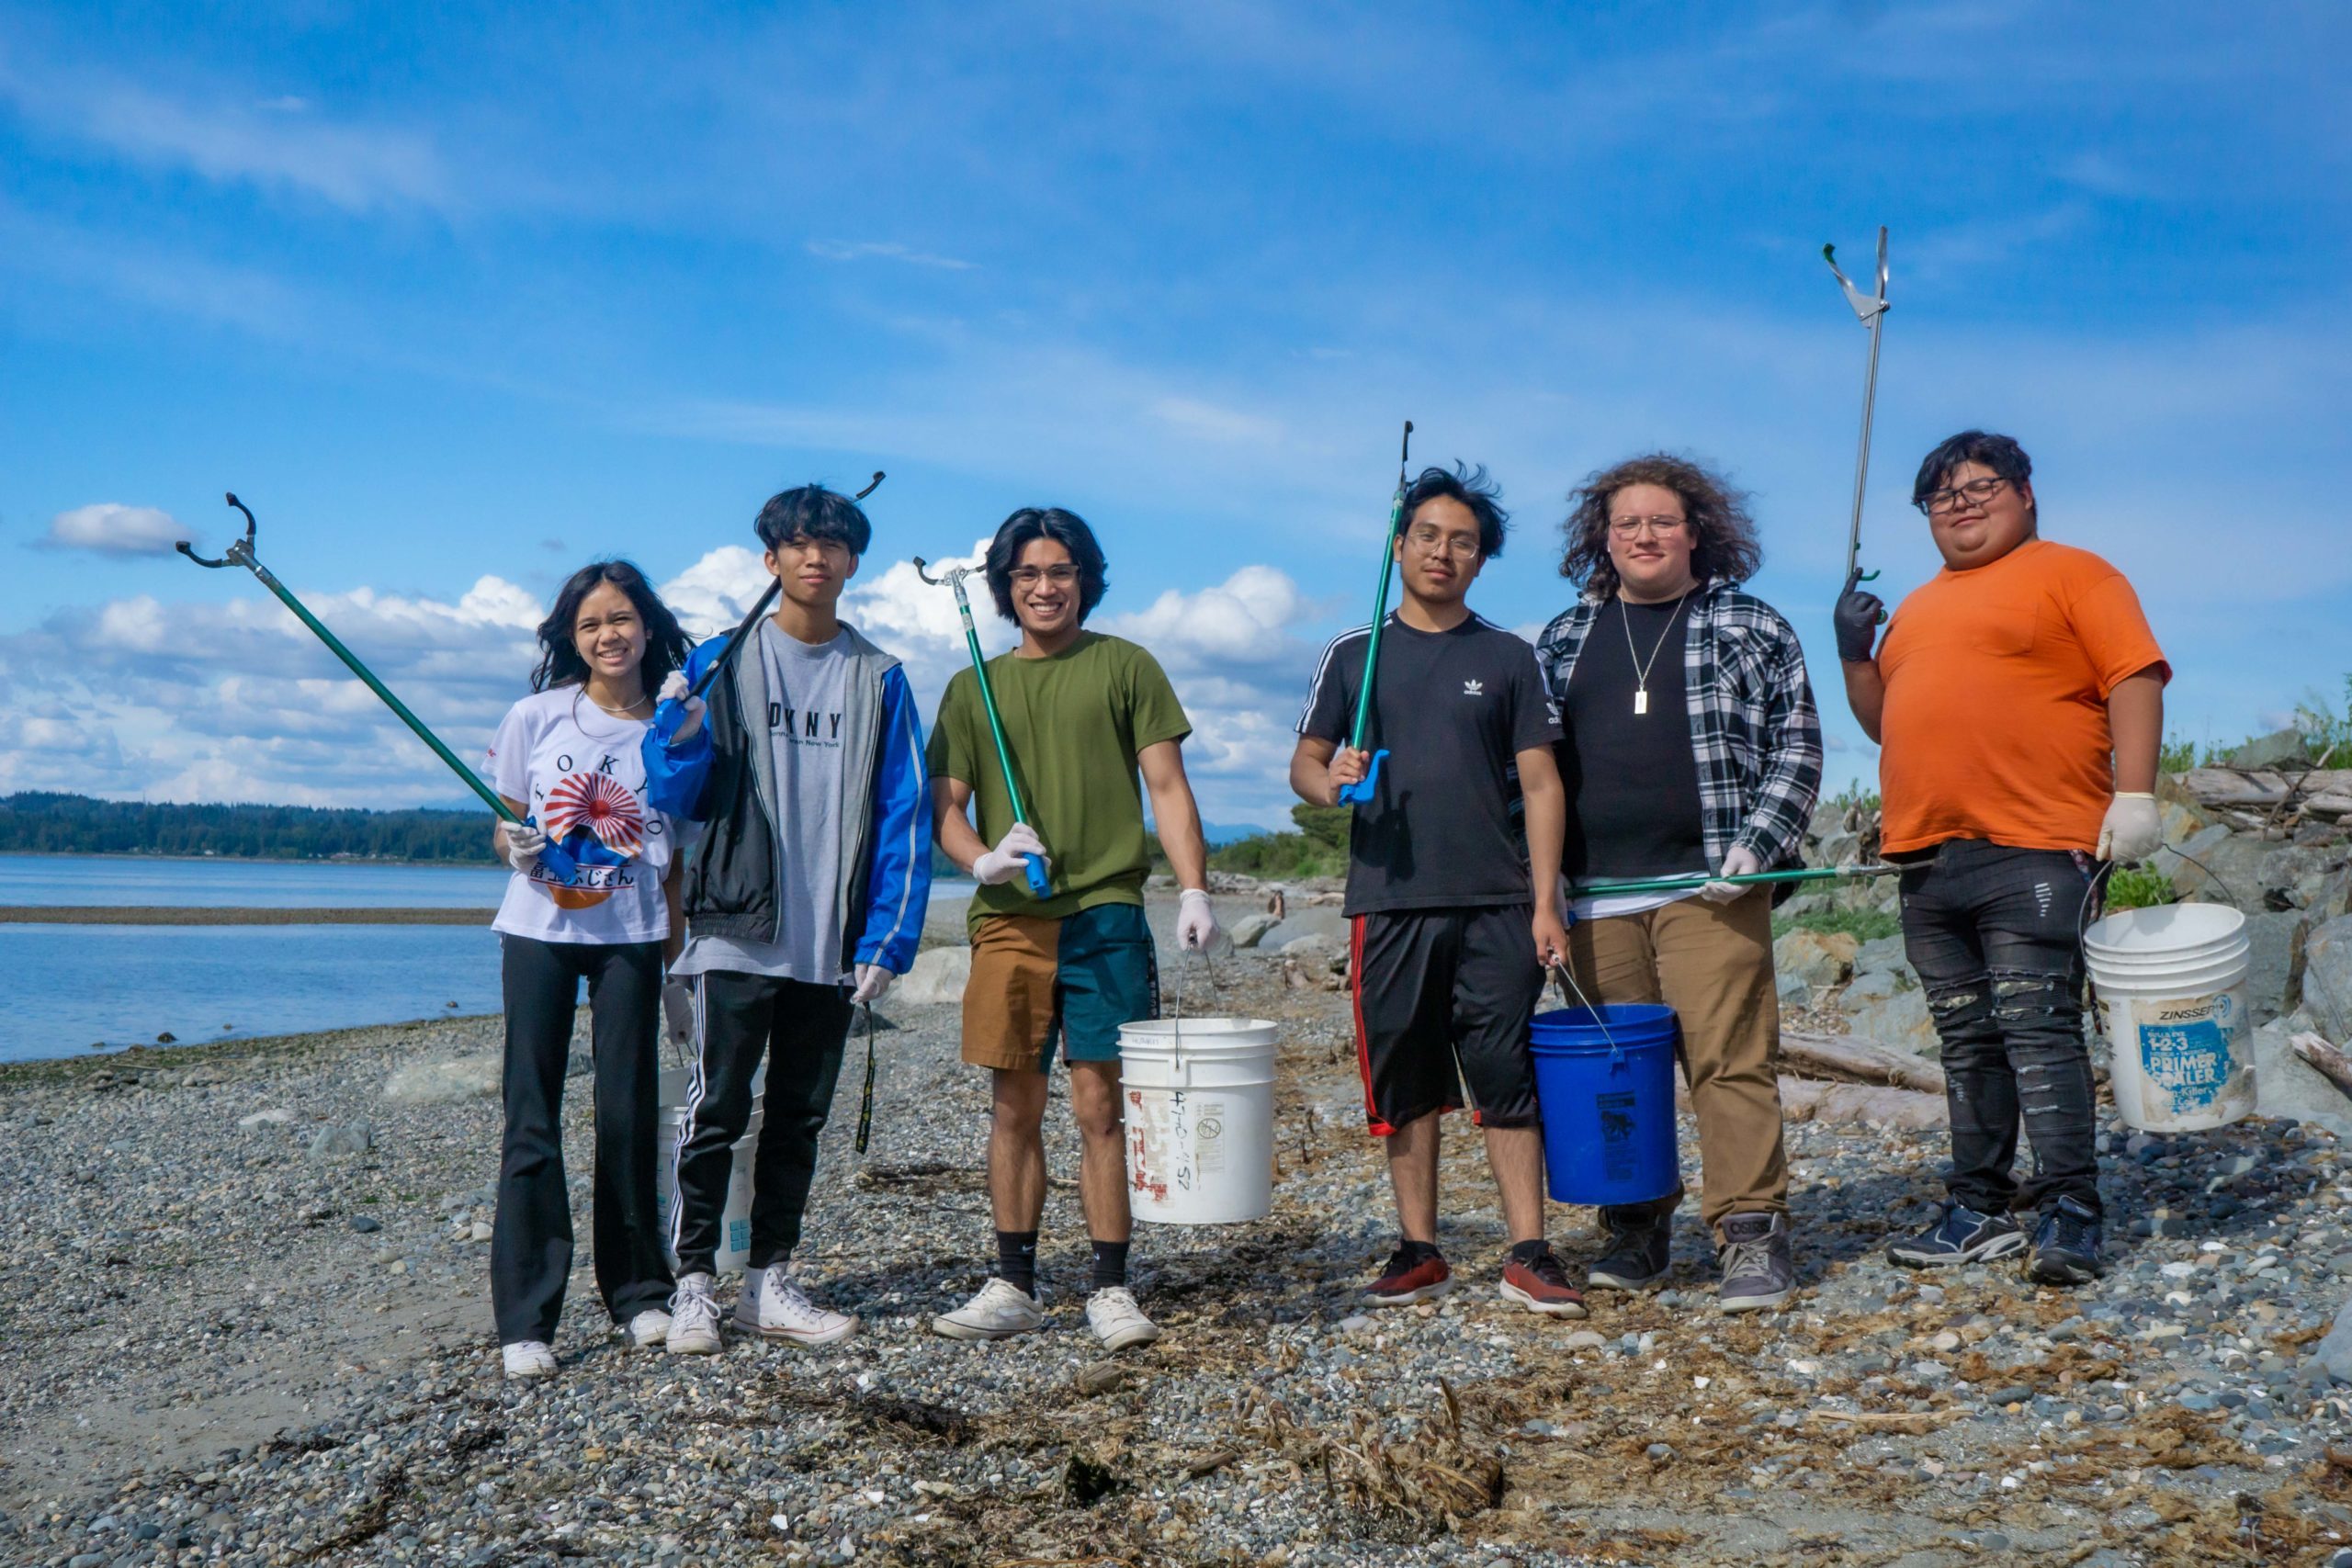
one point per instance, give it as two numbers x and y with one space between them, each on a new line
458 299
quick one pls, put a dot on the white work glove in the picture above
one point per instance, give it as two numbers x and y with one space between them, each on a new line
2132 830
1739 861
523 846
678 1014
872 981
1196 921
1004 862
677 690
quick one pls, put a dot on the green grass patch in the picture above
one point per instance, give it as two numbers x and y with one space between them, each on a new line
1862 925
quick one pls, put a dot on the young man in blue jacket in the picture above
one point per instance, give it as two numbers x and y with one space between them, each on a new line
804 897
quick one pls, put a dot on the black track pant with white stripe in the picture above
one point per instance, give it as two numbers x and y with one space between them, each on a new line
530 1249
801 1029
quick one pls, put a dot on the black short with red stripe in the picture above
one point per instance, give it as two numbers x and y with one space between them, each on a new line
1442 1001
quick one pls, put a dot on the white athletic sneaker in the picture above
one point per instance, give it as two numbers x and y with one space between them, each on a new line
649 1328
694 1318
528 1359
773 1308
1000 1311
1116 1320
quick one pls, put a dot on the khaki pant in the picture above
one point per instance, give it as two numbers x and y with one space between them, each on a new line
1713 965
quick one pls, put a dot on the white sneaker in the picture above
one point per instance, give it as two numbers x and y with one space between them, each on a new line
1116 1320
694 1318
649 1328
775 1308
1000 1311
528 1359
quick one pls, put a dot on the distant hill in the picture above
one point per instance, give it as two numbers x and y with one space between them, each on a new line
41 823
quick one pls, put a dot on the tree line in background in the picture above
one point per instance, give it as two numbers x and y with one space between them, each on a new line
43 823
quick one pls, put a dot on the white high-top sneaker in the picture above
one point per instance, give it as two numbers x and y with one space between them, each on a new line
694 1318
775 1308
648 1329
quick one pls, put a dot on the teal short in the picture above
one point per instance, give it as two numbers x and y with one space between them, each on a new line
1073 982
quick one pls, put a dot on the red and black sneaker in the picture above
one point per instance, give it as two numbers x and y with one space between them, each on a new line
1540 1284
1415 1273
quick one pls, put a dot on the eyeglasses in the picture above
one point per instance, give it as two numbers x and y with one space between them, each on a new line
1626 527
1430 542
1060 576
1975 493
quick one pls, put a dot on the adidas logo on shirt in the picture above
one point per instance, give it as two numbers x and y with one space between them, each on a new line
1474 688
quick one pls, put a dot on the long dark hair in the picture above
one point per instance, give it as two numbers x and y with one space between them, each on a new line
1066 529
1727 549
666 642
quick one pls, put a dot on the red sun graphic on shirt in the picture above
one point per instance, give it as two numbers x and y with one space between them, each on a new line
603 806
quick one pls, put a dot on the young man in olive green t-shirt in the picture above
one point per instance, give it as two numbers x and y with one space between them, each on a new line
1085 716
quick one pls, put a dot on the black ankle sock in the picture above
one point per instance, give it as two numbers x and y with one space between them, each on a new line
1016 1259
1110 1264
1528 1251
1414 1251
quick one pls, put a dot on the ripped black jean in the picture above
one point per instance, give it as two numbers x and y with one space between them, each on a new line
1996 935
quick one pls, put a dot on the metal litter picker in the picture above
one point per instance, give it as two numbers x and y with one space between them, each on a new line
554 858
1039 882
1872 310
1363 789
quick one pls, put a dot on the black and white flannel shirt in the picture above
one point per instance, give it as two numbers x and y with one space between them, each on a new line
1753 732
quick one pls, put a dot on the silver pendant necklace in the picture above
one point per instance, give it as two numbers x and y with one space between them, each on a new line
1642 665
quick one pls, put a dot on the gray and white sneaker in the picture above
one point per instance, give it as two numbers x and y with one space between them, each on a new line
1758 1274
694 1318
1000 1311
1960 1235
649 1329
1116 1320
773 1307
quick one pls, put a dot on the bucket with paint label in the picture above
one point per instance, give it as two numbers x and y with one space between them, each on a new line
735 1220
1199 1104
1604 1079
2172 1003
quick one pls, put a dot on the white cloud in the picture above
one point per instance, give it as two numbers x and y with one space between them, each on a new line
717 590
110 528
884 250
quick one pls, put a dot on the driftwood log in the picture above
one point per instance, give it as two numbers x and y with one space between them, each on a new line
2331 1063
1810 1100
1853 1060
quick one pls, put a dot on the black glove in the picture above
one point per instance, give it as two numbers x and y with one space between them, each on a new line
1859 615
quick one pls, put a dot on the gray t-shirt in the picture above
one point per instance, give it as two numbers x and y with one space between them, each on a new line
808 695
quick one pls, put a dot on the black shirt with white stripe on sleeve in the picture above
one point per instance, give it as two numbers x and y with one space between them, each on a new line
1444 830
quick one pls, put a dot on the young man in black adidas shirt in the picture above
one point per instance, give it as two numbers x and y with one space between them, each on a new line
1453 870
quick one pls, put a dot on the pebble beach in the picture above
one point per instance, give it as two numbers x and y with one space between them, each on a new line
247 1298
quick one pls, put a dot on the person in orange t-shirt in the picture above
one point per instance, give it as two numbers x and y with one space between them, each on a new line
2018 698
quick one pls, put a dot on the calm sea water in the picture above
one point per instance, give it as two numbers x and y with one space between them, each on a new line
66 988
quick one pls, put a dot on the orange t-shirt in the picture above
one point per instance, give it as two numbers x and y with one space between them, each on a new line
1996 686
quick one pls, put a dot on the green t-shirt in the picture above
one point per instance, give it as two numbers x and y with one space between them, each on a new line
1074 724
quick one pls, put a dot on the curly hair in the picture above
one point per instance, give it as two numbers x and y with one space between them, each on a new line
1727 549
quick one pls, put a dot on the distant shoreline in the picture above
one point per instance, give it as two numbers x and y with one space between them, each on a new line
223 915
144 855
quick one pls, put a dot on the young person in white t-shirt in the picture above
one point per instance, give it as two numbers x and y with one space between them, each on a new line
569 757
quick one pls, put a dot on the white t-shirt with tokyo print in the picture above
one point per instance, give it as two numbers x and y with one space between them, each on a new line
574 765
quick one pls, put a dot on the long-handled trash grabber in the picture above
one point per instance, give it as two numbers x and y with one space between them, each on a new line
1700 879
557 861
1365 788
865 1102
1872 310
671 715
1039 882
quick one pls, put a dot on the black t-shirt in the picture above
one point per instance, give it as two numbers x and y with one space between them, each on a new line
1454 709
1632 782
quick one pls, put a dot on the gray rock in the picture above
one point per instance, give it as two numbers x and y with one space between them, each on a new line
938 977
342 1142
579 1065
2271 935
1815 958
1899 1022
2179 864
444 1083
275 1116
2286 1085
1249 928
366 1224
2279 748
2327 977
1313 946
1873 986
1884 953
1792 990
2334 1353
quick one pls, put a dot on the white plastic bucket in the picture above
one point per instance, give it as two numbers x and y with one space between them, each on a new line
2171 984
735 1220
1200 1119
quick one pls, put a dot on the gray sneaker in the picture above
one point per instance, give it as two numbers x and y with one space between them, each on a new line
1758 1272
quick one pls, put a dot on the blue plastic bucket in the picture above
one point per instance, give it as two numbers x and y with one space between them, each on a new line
1606 1088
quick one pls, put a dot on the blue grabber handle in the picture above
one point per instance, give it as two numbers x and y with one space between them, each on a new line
1039 882
556 858
1365 788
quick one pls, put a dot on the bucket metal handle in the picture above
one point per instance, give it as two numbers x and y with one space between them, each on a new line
1565 981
